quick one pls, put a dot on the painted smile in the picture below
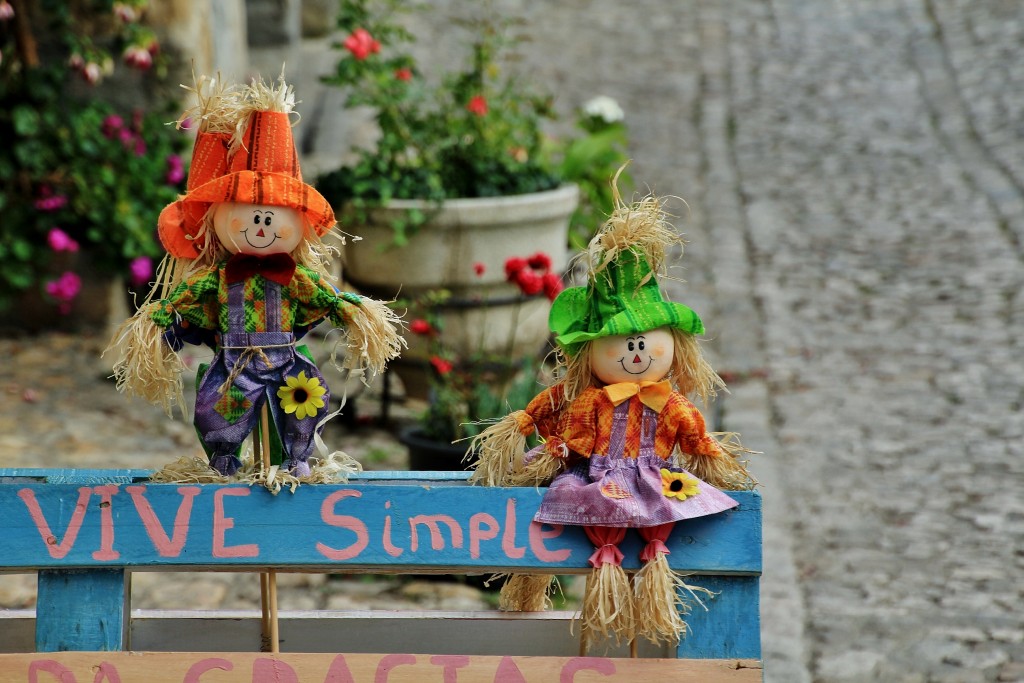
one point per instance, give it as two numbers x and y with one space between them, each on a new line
622 362
245 233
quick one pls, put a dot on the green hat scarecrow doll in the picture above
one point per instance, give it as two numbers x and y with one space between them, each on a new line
623 447
247 274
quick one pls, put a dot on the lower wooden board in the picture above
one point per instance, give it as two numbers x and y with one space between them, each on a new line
199 667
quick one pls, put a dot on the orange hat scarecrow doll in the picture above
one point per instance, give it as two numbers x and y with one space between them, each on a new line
246 274
623 447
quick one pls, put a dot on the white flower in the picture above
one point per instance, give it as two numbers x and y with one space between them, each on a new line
604 108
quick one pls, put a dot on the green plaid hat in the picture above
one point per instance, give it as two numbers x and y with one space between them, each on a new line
622 299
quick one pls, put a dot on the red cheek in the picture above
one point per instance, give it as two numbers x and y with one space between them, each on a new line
658 351
284 233
236 223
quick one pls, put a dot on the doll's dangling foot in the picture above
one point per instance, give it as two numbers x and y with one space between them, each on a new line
227 464
608 609
657 590
296 468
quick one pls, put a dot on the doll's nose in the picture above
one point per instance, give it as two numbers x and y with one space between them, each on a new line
636 358
260 233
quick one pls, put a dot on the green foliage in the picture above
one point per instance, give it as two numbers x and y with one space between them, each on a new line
73 164
474 132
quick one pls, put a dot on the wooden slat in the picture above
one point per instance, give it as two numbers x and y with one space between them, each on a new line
333 528
95 601
155 667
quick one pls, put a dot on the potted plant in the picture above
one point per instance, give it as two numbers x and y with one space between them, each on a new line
471 385
81 184
461 173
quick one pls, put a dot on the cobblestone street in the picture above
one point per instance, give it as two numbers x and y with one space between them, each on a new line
854 175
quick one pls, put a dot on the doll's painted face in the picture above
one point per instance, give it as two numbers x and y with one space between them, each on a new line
633 358
257 230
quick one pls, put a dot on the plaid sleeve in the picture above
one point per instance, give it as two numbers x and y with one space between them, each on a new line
582 422
316 299
192 301
546 411
685 427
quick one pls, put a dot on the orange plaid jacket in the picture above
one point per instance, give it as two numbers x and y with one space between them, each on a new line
585 426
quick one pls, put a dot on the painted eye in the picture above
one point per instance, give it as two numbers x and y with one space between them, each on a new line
631 346
641 345
266 221
255 220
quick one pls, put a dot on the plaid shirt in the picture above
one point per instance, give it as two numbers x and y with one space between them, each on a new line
202 300
586 424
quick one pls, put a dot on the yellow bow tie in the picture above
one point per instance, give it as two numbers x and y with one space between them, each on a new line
654 395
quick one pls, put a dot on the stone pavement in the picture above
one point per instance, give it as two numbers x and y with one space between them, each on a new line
854 171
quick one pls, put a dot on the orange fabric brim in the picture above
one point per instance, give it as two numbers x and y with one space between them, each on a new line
180 221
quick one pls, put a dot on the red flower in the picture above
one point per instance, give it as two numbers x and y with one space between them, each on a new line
361 44
513 266
442 366
403 74
477 105
529 282
552 285
421 327
539 261
479 269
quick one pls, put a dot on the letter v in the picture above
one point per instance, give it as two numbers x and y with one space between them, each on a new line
165 547
57 550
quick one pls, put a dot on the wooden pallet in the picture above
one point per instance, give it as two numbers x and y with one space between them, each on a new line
85 532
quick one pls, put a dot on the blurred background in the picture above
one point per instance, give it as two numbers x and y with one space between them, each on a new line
850 177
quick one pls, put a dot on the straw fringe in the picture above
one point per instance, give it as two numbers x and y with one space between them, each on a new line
216 105
372 338
658 602
727 470
500 449
334 468
526 593
144 365
608 609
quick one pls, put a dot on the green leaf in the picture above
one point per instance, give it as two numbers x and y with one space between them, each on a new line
26 121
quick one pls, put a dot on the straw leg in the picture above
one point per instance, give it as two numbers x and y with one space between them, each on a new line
633 642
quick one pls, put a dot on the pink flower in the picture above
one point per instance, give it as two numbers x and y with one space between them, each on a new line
361 44
64 289
512 266
421 327
61 241
111 125
479 268
76 62
6 11
552 285
140 147
138 57
140 270
126 13
519 154
477 105
92 73
48 201
403 74
175 170
442 366
539 261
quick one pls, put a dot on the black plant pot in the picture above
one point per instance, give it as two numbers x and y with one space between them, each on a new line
426 454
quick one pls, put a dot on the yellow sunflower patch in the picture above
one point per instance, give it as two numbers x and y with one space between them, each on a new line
678 485
301 395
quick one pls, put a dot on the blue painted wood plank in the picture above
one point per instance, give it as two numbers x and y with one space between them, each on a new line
352 526
730 626
65 475
82 610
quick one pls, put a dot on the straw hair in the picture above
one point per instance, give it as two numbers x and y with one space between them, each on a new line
608 609
500 449
216 105
259 96
726 470
526 593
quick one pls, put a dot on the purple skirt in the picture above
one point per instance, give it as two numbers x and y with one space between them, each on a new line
626 492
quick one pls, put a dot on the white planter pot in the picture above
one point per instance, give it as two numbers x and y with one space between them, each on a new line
484 312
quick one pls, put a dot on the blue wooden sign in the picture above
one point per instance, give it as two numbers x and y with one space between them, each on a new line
347 527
